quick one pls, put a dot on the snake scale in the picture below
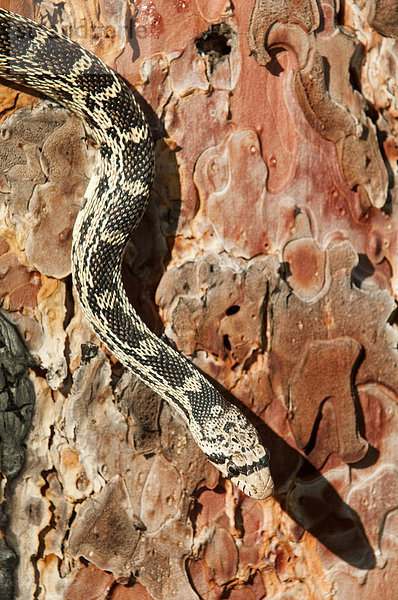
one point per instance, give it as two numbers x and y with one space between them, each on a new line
115 200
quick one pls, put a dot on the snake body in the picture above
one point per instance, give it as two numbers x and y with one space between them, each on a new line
115 200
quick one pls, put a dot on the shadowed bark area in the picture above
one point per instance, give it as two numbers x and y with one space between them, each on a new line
267 256
17 400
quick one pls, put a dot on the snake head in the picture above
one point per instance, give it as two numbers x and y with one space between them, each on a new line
249 471
231 443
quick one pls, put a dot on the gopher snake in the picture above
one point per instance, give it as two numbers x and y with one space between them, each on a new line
115 200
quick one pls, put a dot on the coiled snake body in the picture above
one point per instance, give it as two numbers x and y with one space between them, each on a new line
115 200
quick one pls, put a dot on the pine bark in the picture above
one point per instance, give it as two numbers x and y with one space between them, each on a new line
268 256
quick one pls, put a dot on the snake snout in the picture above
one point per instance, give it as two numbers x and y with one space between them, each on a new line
258 484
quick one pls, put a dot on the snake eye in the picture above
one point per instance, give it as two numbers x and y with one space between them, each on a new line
233 470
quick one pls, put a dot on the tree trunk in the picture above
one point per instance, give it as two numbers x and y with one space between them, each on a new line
266 256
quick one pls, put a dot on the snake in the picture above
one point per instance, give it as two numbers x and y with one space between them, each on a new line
116 197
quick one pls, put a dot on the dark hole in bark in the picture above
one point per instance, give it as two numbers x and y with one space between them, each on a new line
227 343
216 42
232 310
